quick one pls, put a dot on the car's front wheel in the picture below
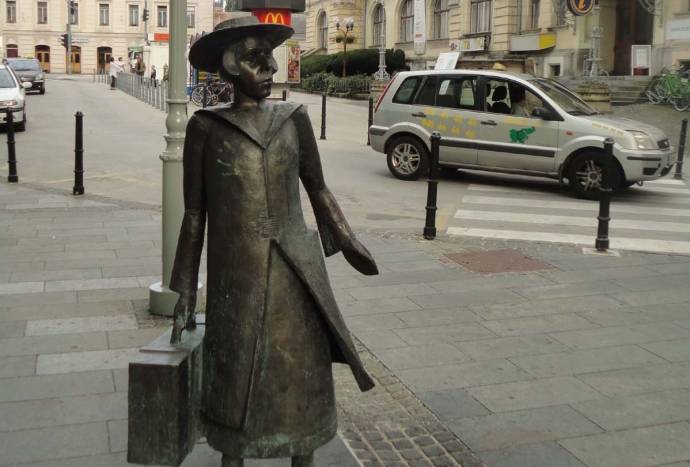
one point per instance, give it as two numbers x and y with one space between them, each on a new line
585 175
408 158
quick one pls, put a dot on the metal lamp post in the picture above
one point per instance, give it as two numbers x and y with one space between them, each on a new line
381 74
347 28
161 299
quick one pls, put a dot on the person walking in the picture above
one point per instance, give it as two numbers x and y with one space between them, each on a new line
153 75
165 72
115 68
139 66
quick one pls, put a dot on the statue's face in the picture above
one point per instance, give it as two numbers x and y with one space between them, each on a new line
251 62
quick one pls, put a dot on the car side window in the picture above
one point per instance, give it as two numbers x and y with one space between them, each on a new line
467 93
507 97
427 95
407 90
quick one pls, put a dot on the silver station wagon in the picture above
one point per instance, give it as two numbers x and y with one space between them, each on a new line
519 124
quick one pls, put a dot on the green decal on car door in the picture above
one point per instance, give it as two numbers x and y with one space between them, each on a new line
520 136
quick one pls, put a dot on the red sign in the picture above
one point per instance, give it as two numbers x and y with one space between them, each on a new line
161 37
274 16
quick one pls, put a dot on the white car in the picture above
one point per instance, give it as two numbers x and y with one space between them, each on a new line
509 123
12 97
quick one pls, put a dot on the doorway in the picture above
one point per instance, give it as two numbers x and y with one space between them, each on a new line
104 54
75 60
42 53
634 26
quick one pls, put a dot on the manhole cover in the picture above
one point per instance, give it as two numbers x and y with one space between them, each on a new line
498 261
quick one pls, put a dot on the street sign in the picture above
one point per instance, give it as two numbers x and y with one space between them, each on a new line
419 27
580 7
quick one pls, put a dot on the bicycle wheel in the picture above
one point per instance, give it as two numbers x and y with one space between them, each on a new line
653 97
681 104
198 95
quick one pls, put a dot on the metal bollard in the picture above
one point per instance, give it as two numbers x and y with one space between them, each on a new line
78 188
681 149
284 94
602 241
371 119
323 116
432 188
11 154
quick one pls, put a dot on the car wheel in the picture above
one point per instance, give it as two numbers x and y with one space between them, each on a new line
408 158
585 173
43 90
21 126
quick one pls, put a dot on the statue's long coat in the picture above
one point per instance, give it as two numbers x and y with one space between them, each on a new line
246 184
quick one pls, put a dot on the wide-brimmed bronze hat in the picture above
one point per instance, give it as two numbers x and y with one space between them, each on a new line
206 52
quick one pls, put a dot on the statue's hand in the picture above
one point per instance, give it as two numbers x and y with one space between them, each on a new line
359 257
184 316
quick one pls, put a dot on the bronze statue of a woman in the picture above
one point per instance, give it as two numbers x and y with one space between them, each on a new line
273 328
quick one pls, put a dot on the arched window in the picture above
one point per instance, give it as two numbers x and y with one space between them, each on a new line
11 51
440 25
407 21
322 39
379 29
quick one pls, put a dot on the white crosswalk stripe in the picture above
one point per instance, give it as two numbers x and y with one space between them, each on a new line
653 218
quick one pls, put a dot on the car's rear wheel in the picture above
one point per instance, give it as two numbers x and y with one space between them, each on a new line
408 158
43 90
21 126
585 175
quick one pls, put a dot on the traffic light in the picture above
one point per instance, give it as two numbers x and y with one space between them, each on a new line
146 14
72 6
64 39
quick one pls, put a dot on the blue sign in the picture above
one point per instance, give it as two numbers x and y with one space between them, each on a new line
580 7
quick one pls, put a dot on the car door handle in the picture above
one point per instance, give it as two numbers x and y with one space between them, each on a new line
419 114
489 122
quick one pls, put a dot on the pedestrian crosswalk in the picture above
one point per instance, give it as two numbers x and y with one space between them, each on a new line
653 218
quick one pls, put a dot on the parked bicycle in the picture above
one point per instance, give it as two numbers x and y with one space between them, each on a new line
671 87
215 92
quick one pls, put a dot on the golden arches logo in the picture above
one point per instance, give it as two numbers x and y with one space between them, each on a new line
274 18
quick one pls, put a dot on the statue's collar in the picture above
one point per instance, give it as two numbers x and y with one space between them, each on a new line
279 113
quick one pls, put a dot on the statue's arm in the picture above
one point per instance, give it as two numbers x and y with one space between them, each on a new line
185 273
336 234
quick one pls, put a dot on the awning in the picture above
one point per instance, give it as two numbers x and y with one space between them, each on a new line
530 42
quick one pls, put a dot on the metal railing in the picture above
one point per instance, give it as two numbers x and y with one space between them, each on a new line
153 92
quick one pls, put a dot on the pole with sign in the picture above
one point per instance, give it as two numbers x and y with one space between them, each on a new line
419 30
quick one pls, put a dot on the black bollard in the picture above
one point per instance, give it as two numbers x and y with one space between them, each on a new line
78 155
11 154
284 94
323 116
371 119
605 190
432 188
681 149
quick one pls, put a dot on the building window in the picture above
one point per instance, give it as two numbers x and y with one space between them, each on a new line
407 21
42 17
379 29
11 11
440 25
323 30
74 13
480 16
162 11
103 14
12 51
534 14
191 17
560 12
134 15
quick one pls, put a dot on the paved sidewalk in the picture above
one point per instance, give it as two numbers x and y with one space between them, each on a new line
569 360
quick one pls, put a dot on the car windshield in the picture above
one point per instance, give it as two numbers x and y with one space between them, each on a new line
24 65
6 80
564 97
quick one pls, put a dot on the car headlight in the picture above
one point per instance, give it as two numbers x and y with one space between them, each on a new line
642 140
12 103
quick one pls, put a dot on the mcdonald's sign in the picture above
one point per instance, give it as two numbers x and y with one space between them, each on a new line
274 16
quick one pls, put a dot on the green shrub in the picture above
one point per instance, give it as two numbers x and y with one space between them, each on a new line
333 84
359 61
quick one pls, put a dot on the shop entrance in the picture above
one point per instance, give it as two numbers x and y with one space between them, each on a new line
75 60
634 26
104 54
42 53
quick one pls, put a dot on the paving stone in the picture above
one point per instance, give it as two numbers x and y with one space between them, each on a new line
376 340
37 298
627 316
134 338
493 281
580 289
451 404
27 276
420 356
44 387
655 297
546 307
132 271
673 351
653 283
84 361
621 335
444 334
121 378
414 277
52 344
389 291
382 321
548 454
15 266
640 380
672 268
538 324
112 294
64 310
438 316
586 361
640 447
620 274
461 376
95 263
21 288
471 297
92 284
81 325
505 430
502 347
12 329
420 265
11 367
62 411
619 413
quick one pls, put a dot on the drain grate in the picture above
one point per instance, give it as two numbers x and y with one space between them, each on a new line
494 261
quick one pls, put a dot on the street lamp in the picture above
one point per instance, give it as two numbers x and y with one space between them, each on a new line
345 37
382 74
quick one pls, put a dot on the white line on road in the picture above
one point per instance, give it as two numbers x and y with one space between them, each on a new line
635 244
570 221
666 181
523 189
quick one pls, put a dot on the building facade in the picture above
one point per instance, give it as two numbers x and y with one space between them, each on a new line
100 29
536 36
